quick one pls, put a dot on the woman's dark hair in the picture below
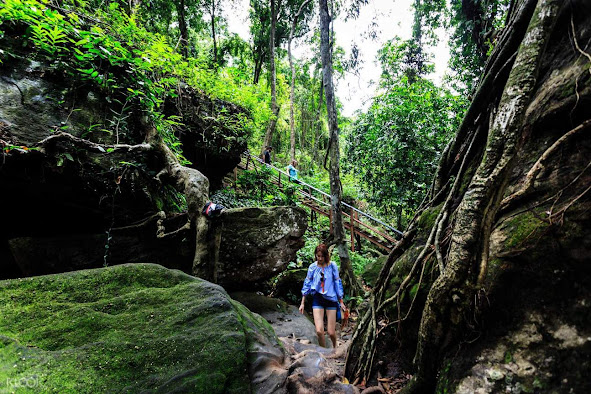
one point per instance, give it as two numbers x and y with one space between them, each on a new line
323 249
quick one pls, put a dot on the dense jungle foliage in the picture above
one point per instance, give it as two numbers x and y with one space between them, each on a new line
141 53
483 168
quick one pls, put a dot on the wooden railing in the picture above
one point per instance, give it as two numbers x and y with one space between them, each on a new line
357 222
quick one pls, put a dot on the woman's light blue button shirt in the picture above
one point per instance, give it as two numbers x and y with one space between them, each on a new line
333 286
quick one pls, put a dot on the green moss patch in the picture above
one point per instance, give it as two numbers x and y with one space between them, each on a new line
524 228
128 328
428 217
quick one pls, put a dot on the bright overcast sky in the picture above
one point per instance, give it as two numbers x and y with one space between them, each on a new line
393 18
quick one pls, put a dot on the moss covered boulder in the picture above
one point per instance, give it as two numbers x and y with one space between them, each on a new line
132 328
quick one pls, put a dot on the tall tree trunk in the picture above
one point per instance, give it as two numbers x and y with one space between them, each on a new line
293 77
317 125
335 178
183 28
258 66
215 45
274 106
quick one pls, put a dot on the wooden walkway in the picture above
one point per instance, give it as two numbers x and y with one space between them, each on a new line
356 222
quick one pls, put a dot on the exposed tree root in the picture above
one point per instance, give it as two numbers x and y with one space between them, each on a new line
563 210
363 366
583 53
195 186
532 174
471 204
359 362
91 146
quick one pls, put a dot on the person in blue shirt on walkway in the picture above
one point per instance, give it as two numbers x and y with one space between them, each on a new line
292 171
325 287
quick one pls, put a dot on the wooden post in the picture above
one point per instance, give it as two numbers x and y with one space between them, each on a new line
357 237
235 179
352 221
279 177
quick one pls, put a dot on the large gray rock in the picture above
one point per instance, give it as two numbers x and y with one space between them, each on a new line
213 154
288 284
525 359
133 328
286 320
258 243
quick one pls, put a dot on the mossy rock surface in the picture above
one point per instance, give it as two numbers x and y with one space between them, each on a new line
372 270
128 328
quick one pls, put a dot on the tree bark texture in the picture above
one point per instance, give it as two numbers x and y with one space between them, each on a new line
293 78
274 107
213 37
335 178
183 28
450 293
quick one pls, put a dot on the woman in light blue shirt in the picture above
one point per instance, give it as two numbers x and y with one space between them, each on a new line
326 288
292 171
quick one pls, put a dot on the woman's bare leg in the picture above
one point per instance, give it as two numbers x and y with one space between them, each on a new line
331 318
319 323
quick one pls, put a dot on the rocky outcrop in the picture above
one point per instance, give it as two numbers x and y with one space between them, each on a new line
248 264
90 183
132 328
258 243
145 328
522 359
372 270
79 166
217 151
288 284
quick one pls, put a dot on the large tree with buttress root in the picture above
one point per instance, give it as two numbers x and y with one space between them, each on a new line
510 192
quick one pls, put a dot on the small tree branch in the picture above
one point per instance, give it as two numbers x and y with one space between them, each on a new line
539 165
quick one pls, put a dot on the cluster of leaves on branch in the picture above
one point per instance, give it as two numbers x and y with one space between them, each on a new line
111 50
394 147
475 26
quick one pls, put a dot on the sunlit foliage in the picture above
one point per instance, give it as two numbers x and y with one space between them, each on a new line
393 148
